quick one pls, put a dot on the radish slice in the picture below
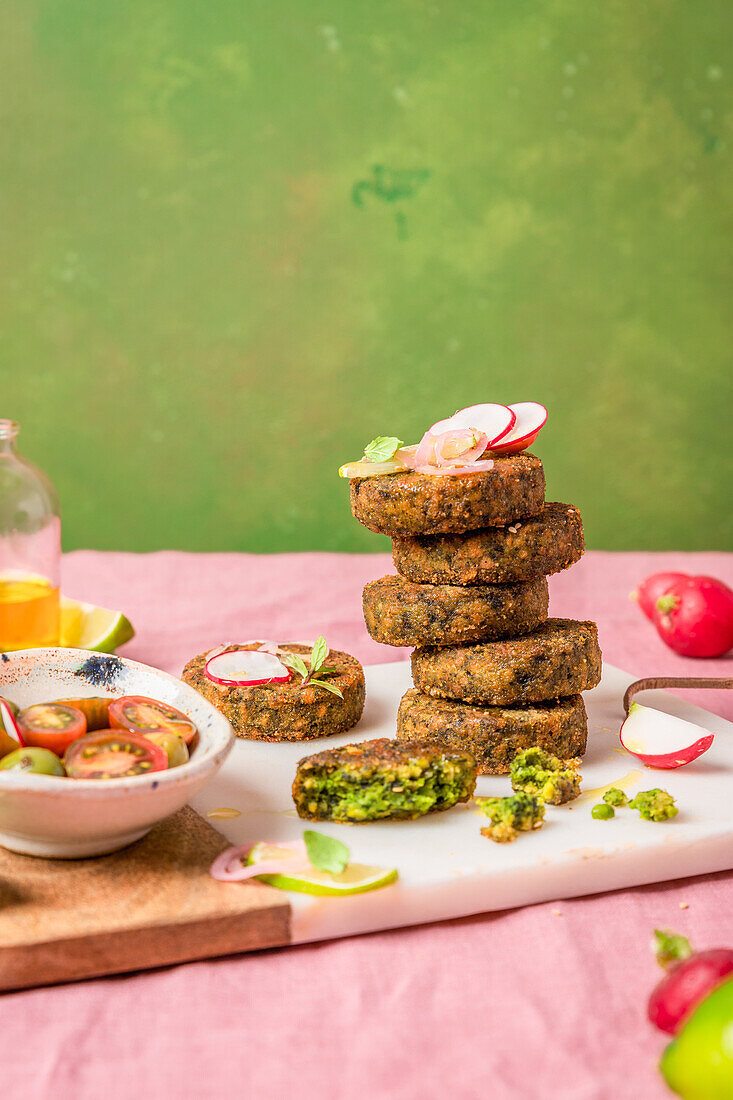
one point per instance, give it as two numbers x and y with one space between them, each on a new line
229 866
530 417
661 740
246 668
11 726
495 421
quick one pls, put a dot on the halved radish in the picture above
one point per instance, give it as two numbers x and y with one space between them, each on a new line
246 668
529 418
494 421
661 740
9 721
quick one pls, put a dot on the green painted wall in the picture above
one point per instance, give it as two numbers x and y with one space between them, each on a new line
242 237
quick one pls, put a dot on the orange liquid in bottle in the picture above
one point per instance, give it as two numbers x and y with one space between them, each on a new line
29 613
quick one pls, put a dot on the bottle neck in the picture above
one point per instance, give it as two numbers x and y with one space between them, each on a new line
8 435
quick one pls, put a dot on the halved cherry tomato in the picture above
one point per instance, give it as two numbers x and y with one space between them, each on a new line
141 715
95 709
113 754
51 726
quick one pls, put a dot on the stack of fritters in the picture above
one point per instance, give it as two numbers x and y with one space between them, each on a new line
493 675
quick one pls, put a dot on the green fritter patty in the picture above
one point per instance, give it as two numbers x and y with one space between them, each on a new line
532 547
289 711
398 612
382 779
560 657
427 504
494 735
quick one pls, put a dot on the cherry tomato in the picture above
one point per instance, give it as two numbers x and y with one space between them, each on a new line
141 715
94 708
51 726
40 761
175 747
113 754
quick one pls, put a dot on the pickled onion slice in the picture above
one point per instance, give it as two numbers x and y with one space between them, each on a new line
459 447
246 668
480 466
495 421
229 866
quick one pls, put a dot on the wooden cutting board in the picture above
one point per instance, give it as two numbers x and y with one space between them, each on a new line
150 905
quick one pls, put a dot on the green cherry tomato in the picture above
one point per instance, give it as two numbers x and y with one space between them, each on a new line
698 1064
39 761
175 747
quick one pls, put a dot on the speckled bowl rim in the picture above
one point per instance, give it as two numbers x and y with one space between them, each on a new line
213 756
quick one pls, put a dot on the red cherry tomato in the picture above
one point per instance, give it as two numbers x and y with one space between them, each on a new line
51 726
113 754
141 715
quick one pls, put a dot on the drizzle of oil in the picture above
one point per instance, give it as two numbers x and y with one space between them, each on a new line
622 783
224 811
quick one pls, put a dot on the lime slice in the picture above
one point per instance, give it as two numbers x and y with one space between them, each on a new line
84 626
356 879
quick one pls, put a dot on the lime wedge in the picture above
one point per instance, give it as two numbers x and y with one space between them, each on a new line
84 626
356 879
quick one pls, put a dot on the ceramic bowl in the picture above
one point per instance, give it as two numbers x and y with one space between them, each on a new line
43 815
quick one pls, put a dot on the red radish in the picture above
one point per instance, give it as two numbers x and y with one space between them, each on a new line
530 418
494 421
246 668
695 617
651 588
11 726
689 979
661 740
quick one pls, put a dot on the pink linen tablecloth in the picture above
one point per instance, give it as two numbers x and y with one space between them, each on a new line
545 1002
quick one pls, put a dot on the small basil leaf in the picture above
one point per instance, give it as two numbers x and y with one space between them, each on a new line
325 852
382 448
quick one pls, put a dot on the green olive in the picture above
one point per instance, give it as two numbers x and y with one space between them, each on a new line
40 761
174 746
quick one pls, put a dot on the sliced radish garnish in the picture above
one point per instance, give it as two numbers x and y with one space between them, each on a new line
246 668
495 421
11 726
530 417
661 740
229 866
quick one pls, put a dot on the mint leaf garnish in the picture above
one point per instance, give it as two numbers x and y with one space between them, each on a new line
295 663
382 448
318 653
328 687
325 852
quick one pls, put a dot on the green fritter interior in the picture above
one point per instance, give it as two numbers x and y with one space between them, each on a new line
368 791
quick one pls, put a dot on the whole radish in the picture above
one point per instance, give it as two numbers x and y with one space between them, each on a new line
689 979
694 617
651 588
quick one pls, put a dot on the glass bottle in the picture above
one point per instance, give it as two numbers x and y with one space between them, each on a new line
30 550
